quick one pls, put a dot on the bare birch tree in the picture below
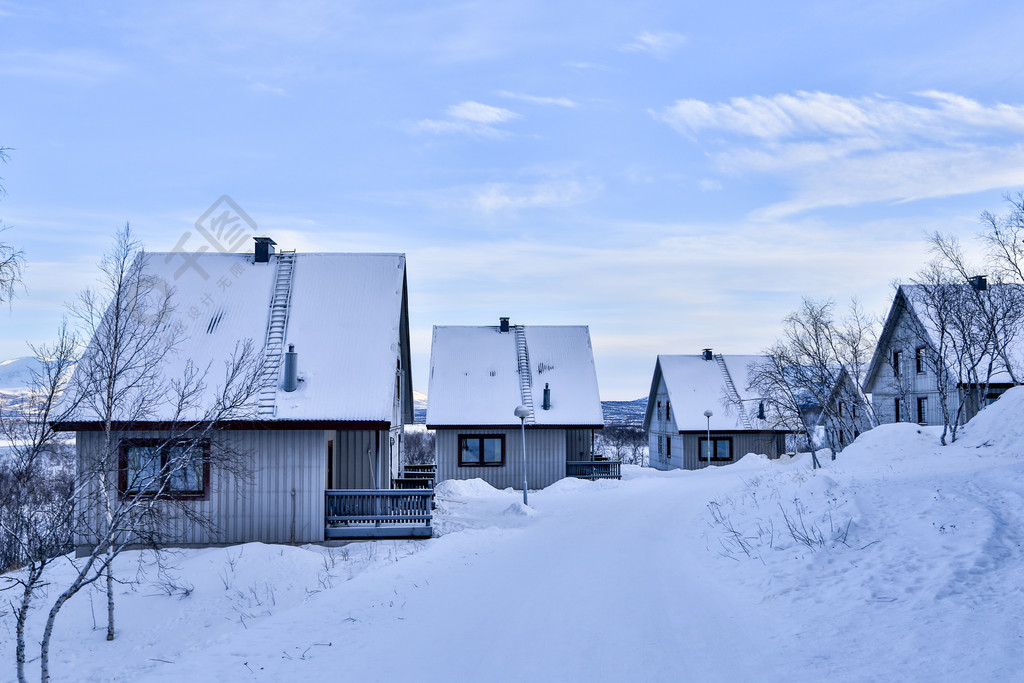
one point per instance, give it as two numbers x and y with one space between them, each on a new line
36 483
11 259
126 495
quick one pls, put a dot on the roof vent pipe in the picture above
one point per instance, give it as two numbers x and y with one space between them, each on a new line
546 405
707 354
979 282
291 369
503 327
264 248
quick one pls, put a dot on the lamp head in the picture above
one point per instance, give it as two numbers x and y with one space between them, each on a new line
708 413
522 412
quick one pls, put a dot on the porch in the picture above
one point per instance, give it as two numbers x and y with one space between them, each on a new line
372 513
594 469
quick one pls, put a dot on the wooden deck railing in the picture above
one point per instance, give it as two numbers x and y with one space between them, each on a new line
594 469
419 471
372 513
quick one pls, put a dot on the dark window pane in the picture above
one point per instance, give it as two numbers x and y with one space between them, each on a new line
471 450
492 450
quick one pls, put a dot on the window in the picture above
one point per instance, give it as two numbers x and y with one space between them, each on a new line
172 468
661 447
922 409
659 412
840 410
919 359
853 410
721 448
668 448
896 403
896 358
668 411
487 450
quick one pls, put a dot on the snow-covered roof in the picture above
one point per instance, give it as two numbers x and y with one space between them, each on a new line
346 318
474 376
695 385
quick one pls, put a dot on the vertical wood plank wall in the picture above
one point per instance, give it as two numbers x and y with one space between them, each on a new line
281 498
545 450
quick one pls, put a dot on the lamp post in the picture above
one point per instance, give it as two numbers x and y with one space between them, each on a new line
708 414
522 412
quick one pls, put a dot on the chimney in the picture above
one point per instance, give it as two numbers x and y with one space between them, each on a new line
291 369
264 248
546 405
979 282
503 325
707 354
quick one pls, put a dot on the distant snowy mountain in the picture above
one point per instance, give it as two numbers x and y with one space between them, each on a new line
629 413
16 374
419 407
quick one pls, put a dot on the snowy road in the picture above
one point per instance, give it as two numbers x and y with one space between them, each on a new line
911 569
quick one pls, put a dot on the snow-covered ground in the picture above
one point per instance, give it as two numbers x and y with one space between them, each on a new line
900 560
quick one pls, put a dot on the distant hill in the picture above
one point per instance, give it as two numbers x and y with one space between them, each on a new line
615 412
629 413
16 374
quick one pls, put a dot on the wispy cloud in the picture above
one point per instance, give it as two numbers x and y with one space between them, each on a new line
535 99
497 197
660 45
257 86
80 66
838 150
469 117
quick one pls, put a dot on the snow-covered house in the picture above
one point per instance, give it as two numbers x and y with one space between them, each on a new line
683 388
480 375
903 378
319 455
845 416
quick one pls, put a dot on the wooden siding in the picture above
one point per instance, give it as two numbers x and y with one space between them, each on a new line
909 385
579 444
281 498
685 453
545 452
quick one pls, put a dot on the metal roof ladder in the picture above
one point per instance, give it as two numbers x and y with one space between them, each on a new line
277 328
525 378
734 395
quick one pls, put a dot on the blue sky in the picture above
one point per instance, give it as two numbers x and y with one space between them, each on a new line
674 174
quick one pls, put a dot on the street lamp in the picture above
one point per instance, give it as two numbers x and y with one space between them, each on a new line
522 412
708 414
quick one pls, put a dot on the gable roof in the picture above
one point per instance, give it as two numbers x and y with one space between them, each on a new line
347 318
695 385
911 300
474 376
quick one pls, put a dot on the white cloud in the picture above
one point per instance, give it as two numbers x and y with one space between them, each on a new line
480 113
473 118
660 45
708 185
841 151
81 66
497 197
535 99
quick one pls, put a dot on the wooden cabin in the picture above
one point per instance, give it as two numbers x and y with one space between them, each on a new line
480 375
683 388
319 456
903 378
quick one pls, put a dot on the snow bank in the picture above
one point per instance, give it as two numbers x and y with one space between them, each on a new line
458 489
899 560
